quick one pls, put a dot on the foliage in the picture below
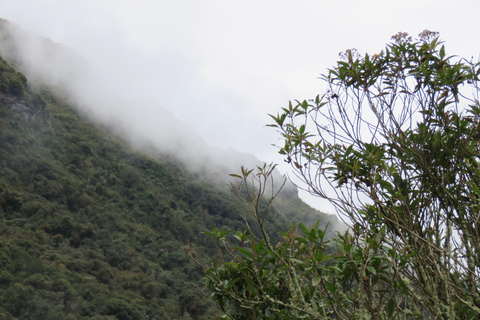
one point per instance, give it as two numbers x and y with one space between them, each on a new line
84 220
393 145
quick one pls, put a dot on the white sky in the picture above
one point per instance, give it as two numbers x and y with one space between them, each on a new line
222 66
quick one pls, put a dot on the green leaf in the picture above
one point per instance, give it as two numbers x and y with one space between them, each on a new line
442 52
331 287
302 129
320 234
372 270
320 256
316 280
305 105
304 229
250 286
475 188
246 252
391 308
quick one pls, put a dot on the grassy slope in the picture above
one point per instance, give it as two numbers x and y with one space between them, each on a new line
92 230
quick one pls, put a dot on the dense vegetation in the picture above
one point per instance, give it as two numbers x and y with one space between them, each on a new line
90 229
393 143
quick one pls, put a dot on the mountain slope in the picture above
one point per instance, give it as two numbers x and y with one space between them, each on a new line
91 229
87 227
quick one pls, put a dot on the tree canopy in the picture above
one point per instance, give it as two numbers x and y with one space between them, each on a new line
393 144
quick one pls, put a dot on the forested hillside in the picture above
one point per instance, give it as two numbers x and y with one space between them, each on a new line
90 229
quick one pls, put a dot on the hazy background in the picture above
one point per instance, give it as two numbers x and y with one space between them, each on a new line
221 66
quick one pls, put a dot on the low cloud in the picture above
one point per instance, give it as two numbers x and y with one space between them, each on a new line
46 62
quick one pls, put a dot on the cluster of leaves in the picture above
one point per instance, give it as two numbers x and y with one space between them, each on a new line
308 274
393 145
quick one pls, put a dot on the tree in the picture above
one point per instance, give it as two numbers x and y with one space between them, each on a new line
393 144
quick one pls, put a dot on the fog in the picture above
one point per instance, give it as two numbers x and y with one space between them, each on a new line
199 78
146 125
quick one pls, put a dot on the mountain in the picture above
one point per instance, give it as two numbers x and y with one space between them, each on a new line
92 227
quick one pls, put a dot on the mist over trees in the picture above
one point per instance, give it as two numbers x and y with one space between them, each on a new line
393 143
91 228
55 67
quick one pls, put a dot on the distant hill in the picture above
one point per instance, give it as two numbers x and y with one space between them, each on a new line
91 228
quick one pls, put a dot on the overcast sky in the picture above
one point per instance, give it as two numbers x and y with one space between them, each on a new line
222 66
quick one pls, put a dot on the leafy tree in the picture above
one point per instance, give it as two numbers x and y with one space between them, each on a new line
393 144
